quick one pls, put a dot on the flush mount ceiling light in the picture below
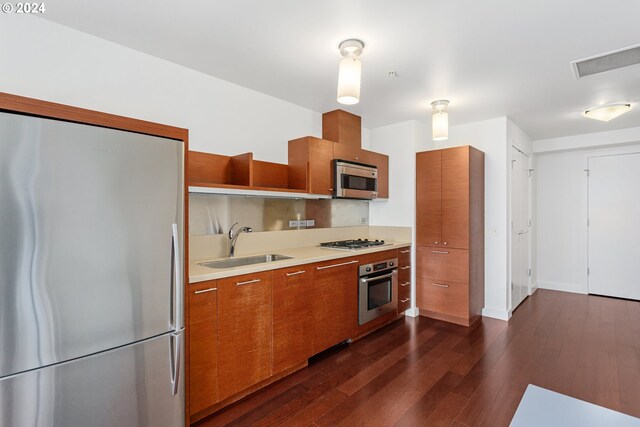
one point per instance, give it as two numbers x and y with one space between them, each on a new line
440 120
350 71
607 112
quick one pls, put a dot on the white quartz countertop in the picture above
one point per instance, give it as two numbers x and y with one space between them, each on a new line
303 255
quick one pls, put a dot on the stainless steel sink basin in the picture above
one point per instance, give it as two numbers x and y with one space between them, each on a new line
237 262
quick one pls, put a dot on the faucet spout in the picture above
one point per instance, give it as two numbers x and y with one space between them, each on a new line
233 236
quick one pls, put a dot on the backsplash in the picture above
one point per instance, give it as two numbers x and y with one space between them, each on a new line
215 213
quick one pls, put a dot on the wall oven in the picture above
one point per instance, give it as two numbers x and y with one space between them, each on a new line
378 289
355 180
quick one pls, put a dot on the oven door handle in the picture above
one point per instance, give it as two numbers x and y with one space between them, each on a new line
384 276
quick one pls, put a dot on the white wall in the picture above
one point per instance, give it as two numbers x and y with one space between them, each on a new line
44 60
397 141
562 216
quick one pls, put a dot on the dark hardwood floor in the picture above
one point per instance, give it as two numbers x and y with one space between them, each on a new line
426 372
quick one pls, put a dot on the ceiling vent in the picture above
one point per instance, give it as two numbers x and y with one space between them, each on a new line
606 62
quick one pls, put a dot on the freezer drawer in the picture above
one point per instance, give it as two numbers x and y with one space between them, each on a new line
129 386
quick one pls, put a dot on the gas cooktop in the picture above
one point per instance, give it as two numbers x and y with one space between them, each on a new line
352 244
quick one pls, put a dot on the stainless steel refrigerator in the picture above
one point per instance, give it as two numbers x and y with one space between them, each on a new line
91 324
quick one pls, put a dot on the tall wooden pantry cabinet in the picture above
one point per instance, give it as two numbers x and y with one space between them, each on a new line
450 234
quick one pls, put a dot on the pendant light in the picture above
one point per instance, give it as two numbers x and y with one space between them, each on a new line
350 72
440 120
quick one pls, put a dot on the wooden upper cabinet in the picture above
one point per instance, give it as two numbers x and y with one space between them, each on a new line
244 332
455 197
342 127
311 165
203 346
429 198
292 326
334 302
381 161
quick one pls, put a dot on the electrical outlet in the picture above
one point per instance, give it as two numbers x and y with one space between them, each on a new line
363 220
294 224
311 223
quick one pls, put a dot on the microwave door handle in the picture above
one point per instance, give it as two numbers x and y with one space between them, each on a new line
384 276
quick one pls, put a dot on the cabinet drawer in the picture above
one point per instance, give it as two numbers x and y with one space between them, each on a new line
404 304
443 297
444 264
404 256
404 273
404 290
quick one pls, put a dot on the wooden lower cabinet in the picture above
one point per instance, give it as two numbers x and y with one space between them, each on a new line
203 346
292 317
448 287
244 332
334 302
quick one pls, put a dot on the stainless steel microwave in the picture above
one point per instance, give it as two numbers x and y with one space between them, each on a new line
355 180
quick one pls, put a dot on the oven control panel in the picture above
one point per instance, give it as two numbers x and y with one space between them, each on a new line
389 264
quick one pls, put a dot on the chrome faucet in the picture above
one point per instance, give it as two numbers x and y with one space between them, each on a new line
233 236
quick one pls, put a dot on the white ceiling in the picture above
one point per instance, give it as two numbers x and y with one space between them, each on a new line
490 58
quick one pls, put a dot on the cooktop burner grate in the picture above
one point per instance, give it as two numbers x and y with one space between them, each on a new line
353 244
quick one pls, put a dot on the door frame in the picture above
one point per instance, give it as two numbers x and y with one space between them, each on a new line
510 224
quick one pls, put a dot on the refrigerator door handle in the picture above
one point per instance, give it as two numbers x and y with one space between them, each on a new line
176 361
177 279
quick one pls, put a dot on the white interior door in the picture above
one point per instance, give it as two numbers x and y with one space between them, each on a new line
520 234
614 229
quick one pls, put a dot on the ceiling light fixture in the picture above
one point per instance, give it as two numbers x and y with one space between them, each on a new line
350 71
607 112
440 120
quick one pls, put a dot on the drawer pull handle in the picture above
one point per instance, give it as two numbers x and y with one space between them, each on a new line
402 301
202 291
247 282
405 267
405 284
405 252
336 265
440 252
440 285
296 273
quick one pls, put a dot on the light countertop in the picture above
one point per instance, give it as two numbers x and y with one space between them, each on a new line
303 255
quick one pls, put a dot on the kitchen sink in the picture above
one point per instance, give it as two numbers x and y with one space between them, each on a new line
237 262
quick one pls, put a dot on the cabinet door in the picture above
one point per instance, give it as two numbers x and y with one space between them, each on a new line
455 197
292 337
429 198
335 302
244 332
203 346
320 178
381 161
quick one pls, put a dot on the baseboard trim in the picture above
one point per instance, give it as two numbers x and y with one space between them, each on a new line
412 312
563 287
495 313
